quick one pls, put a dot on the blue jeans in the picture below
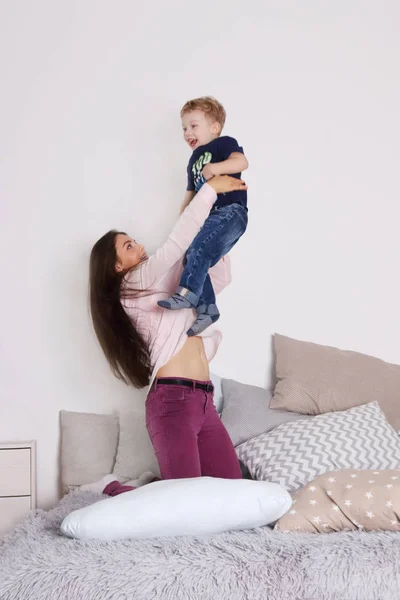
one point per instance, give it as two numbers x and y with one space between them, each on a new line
220 232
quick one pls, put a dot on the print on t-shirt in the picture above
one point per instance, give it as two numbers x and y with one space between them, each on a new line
215 151
197 169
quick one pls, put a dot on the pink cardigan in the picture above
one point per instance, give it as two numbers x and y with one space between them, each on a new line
165 330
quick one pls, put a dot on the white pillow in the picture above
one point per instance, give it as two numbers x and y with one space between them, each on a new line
218 394
174 507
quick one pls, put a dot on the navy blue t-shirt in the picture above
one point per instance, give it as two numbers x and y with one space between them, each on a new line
216 151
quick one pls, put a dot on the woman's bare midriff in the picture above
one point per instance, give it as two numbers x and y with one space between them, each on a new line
190 362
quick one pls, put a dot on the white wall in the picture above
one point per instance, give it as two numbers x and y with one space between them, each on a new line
91 140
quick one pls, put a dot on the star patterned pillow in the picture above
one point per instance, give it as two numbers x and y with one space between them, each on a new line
346 500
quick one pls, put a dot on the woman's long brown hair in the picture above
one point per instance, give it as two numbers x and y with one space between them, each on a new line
123 346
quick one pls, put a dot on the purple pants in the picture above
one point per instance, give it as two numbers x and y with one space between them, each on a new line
187 433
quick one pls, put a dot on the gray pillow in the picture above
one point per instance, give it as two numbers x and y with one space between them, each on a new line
246 412
135 451
88 447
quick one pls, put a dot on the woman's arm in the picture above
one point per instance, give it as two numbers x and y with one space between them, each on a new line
185 230
189 195
180 238
221 274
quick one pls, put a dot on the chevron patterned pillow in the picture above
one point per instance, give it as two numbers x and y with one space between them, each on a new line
295 453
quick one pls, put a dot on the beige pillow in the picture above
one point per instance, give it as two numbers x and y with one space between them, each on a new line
88 447
346 500
135 451
313 380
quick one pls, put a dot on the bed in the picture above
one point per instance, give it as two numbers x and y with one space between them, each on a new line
38 563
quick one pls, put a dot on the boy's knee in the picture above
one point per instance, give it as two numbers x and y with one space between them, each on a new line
195 254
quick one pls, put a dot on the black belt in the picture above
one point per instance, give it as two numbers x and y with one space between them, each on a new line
196 385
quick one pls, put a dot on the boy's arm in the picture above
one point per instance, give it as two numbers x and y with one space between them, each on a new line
189 195
236 163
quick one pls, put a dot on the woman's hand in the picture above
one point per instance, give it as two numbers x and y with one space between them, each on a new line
222 184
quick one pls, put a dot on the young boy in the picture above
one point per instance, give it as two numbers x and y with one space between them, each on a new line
203 120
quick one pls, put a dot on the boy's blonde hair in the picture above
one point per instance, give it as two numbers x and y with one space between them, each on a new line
210 106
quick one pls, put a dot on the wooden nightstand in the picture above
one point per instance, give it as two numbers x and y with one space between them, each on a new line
17 483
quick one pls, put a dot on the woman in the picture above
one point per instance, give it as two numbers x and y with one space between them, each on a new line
145 344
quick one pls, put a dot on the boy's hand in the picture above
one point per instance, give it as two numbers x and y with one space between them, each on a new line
210 170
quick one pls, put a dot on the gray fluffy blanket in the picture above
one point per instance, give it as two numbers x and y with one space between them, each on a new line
38 563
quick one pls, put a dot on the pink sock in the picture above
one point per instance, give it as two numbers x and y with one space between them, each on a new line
114 488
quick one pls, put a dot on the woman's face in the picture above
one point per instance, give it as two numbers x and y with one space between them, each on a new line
129 253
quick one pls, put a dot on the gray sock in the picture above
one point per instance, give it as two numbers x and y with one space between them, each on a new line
175 302
201 309
202 322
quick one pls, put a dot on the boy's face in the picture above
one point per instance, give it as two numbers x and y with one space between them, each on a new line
198 129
